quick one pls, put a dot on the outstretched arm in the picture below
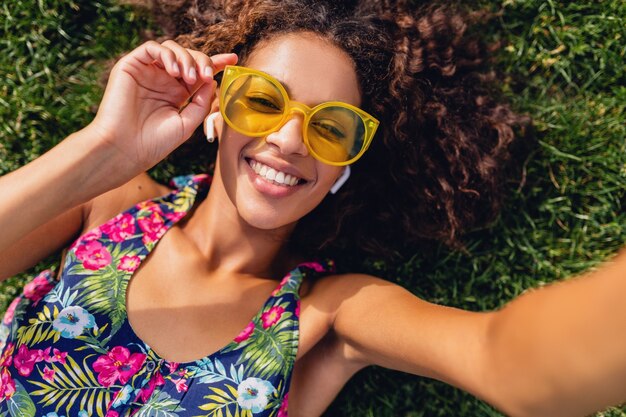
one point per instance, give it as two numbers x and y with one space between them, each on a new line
555 351
561 350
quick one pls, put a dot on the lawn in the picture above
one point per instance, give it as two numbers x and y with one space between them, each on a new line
564 212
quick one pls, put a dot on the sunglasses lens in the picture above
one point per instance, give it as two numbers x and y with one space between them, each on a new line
253 104
336 133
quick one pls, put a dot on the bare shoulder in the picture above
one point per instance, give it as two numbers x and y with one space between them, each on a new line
347 282
111 203
335 293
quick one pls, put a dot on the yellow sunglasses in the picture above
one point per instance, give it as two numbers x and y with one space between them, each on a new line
255 104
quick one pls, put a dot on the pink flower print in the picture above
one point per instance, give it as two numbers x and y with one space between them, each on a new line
156 381
129 263
297 312
43 355
8 316
181 384
7 356
112 413
172 366
175 216
26 359
57 356
153 227
316 266
271 316
282 284
48 374
7 384
283 407
38 287
202 178
119 363
120 228
93 255
87 237
149 206
245 333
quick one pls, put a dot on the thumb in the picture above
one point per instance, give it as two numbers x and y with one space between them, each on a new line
197 109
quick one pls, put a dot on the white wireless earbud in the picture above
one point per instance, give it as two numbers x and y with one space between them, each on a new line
341 180
209 127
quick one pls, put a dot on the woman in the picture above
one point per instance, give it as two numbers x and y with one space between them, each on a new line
220 257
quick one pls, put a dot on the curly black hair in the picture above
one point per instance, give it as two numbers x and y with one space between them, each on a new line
435 168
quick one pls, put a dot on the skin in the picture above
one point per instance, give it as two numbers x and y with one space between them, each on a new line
224 259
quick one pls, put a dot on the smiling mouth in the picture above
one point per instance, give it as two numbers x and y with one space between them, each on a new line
273 176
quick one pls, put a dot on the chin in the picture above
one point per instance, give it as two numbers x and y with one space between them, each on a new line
267 218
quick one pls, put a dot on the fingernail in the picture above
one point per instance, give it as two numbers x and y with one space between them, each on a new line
192 73
208 71
175 68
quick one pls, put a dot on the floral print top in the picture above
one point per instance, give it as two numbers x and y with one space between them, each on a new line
69 350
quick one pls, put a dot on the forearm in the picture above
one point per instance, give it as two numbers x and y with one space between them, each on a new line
73 172
561 350
139 122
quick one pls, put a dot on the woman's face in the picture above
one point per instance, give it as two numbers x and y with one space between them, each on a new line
313 71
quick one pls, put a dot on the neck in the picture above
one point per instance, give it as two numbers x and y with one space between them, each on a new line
231 245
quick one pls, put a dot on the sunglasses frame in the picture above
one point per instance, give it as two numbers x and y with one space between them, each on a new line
233 72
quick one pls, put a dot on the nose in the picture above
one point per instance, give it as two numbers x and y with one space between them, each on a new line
288 138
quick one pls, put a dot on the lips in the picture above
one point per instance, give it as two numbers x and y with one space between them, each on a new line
273 175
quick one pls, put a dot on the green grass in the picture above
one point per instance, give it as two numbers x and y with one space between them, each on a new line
565 68
50 66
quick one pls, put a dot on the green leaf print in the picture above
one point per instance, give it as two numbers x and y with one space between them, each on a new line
18 315
292 284
207 372
184 199
160 405
269 351
62 295
39 329
20 404
71 382
220 402
104 292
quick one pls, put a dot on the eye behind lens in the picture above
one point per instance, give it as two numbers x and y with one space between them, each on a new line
253 104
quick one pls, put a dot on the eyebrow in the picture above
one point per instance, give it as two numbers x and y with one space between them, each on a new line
285 86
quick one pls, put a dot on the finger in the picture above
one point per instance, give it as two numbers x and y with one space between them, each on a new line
204 65
221 60
152 52
207 66
195 112
186 62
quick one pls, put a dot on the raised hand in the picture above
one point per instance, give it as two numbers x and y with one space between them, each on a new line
155 98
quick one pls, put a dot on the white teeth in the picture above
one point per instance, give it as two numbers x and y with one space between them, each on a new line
272 175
